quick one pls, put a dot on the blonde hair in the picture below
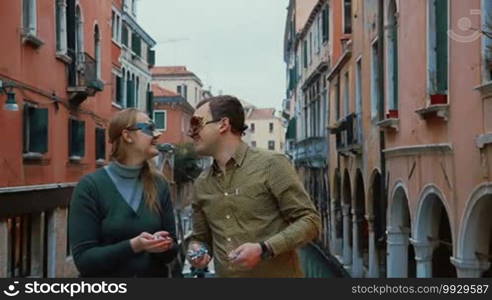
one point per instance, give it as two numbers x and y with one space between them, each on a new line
149 175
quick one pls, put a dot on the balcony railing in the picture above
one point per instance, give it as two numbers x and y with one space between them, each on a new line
83 77
349 134
312 151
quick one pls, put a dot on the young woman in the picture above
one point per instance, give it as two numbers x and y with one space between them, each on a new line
121 221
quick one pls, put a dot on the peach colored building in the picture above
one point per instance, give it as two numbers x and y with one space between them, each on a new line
265 129
409 159
172 114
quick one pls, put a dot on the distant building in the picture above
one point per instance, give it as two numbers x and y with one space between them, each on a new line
178 79
172 114
266 130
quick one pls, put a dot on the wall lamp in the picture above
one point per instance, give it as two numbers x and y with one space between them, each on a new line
8 88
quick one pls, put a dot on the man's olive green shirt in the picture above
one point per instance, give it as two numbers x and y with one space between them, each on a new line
258 198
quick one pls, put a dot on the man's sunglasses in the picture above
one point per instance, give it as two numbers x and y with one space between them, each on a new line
147 128
197 124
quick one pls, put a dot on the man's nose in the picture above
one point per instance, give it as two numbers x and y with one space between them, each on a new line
156 134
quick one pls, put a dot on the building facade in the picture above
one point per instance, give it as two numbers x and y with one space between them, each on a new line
265 129
56 88
408 114
181 81
171 114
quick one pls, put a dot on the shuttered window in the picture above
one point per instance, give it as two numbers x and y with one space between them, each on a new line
76 138
35 129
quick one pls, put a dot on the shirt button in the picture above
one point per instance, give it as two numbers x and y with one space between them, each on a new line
226 194
228 239
228 217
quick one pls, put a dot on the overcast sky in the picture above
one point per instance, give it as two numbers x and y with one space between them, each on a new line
235 46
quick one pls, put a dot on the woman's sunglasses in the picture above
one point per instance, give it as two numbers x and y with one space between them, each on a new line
197 124
147 128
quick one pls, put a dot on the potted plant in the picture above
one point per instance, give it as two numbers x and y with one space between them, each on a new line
392 114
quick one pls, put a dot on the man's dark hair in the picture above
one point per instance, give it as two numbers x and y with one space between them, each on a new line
227 107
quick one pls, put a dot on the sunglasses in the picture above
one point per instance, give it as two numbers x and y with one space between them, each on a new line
197 124
147 128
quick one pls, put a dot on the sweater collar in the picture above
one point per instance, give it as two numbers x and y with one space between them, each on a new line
125 171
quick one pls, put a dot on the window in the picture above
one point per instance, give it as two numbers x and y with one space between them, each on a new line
178 89
136 44
113 25
35 129
137 91
151 57
252 127
100 144
347 16
270 127
130 91
253 144
310 51
116 26
358 86
346 94
375 93
97 51
119 90
326 24
487 38
304 54
124 35
271 145
29 17
438 47
61 27
77 139
392 54
185 91
160 119
337 100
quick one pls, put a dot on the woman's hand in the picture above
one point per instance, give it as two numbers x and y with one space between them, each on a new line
156 243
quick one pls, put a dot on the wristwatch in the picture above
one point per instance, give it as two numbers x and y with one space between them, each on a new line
266 252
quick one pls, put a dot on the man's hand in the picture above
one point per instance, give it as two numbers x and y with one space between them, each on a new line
199 262
246 256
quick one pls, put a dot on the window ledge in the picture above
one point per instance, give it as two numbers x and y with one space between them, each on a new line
391 123
31 39
484 140
63 57
32 156
100 162
485 89
434 110
116 105
75 159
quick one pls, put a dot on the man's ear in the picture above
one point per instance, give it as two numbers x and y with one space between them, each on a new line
224 125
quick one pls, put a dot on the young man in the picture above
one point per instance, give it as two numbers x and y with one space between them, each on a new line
250 211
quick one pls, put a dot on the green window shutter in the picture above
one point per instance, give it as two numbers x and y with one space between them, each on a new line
118 89
441 11
38 130
326 28
305 59
100 143
130 94
124 35
136 44
150 103
160 120
77 138
151 57
25 140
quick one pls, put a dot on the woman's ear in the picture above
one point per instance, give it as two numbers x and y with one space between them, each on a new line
126 136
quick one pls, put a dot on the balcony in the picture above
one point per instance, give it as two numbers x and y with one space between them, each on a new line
312 152
83 79
349 134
